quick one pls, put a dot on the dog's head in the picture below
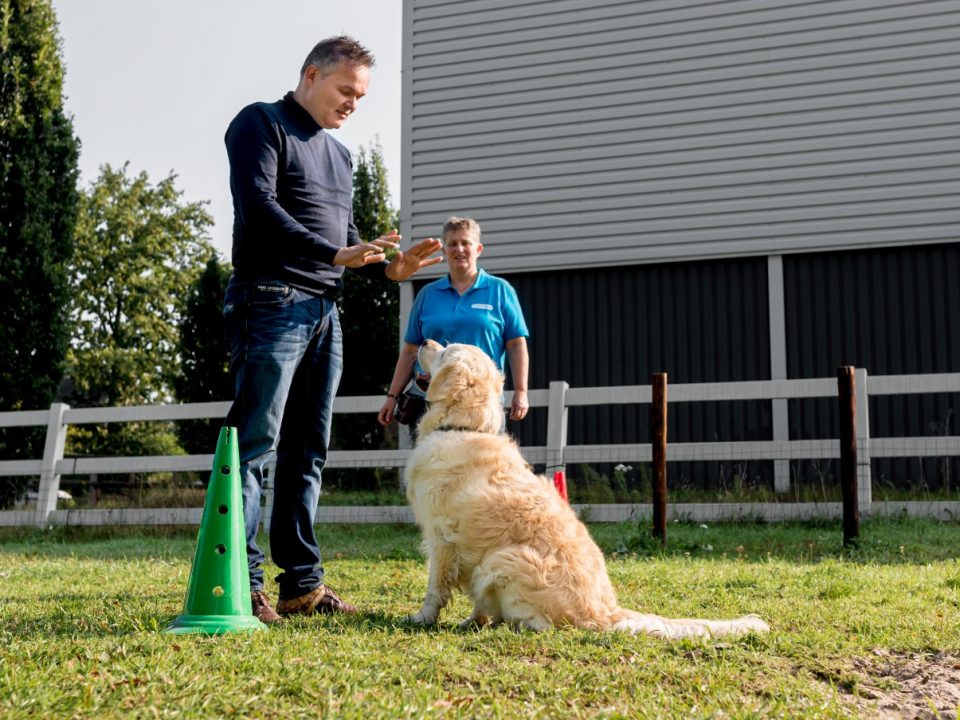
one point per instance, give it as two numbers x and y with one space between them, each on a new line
465 391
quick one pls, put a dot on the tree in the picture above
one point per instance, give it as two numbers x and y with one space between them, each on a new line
138 248
38 201
369 309
204 358
369 315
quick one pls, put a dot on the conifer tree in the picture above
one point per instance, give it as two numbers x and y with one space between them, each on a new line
38 205
369 315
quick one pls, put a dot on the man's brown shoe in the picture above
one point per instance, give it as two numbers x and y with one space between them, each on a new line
319 600
262 608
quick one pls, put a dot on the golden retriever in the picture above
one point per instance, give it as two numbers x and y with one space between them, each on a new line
498 532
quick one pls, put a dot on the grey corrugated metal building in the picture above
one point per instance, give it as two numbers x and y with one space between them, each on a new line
724 190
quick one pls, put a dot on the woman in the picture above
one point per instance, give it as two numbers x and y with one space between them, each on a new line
467 306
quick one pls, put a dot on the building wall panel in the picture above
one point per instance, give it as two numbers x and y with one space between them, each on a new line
589 135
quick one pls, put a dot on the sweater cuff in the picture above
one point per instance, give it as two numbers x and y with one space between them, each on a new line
374 271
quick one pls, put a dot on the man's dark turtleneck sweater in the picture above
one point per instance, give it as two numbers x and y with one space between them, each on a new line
292 187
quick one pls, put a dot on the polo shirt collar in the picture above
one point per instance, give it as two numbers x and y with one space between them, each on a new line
483 279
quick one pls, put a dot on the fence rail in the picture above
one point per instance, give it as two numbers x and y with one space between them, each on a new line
554 454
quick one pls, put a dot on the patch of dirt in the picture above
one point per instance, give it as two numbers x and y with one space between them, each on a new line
908 686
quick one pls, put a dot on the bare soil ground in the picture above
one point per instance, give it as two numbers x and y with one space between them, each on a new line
902 686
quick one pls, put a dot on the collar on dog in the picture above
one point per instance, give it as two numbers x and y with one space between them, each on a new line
451 428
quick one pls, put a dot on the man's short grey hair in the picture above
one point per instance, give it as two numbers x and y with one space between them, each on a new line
462 223
329 53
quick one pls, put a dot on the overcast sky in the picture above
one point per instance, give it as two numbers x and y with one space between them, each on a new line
156 83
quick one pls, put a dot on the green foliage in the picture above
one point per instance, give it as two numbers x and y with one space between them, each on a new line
627 485
372 212
138 248
594 488
369 313
31 72
38 204
204 373
369 308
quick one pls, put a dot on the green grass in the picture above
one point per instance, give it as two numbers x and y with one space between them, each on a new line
81 612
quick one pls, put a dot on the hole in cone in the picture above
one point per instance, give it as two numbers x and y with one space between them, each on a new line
225 470
222 509
221 549
218 591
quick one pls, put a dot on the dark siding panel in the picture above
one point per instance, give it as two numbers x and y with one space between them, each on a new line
891 311
699 322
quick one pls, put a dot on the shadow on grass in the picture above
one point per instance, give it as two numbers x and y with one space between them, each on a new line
375 621
101 543
890 541
886 541
393 542
88 616
365 621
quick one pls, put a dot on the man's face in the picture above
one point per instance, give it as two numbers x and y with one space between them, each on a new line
331 98
461 250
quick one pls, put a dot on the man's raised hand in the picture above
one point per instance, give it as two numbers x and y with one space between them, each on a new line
405 264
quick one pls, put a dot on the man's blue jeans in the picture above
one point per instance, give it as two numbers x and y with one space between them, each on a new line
286 357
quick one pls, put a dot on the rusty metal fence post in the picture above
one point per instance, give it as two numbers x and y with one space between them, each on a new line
658 441
847 397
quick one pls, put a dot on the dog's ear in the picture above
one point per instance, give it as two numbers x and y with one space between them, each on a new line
444 383
458 379
460 374
454 382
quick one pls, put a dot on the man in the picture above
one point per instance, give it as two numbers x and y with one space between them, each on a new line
293 235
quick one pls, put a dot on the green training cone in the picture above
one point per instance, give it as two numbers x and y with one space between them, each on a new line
218 595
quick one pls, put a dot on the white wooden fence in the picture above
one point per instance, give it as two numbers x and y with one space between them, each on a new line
555 454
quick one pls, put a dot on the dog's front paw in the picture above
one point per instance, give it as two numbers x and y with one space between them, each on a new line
421 618
475 622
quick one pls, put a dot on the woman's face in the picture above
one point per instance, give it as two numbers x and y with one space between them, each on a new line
461 250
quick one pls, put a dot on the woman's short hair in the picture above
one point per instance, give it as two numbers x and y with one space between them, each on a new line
329 53
462 223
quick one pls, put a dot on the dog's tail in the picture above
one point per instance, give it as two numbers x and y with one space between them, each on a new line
640 624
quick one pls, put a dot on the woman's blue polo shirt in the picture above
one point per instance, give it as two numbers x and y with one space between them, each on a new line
487 315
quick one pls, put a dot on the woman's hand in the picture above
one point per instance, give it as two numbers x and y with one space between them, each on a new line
519 406
385 417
